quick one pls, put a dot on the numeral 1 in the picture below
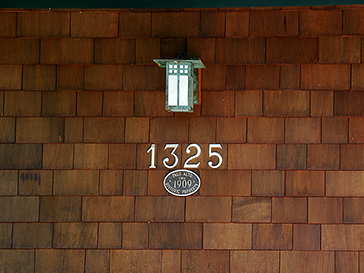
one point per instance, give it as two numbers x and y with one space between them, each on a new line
152 156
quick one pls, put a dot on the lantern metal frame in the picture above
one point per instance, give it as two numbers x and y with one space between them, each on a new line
183 85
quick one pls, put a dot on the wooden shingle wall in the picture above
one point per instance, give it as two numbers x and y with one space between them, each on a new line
81 102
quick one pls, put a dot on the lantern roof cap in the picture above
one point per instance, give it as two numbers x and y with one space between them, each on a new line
197 63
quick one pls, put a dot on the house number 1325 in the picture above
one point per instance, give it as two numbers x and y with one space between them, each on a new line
188 165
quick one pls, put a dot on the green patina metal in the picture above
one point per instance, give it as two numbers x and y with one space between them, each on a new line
146 4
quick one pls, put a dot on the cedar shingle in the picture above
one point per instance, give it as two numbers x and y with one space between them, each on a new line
150 104
325 76
147 50
353 22
248 103
135 260
127 161
351 157
303 130
342 237
325 210
227 236
246 50
5 235
217 103
76 182
171 47
102 129
19 51
212 24
306 237
289 210
107 208
7 133
8 24
22 103
110 235
265 130
305 183
353 210
136 130
8 182
75 235
348 103
272 236
32 235
135 182
335 130
94 24
97 261
10 77
225 183
57 156
204 261
175 235
60 209
111 182
235 77
290 77
157 209
344 183
346 261
208 209
203 48
73 129
185 24
252 209
115 51
39 130
271 23
135 235
53 260
58 104
297 261
103 77
89 103
135 24
155 187
292 50
214 77
320 22
262 77
39 77
118 103
17 260
231 130
143 77
250 261
237 24
323 157
202 130
286 103
19 208
85 156
20 156
69 77
66 51
339 49
171 261
268 183
35 182
322 103
239 156
291 156
43 24
356 130
177 130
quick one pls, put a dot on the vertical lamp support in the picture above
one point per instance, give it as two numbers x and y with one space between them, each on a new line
182 83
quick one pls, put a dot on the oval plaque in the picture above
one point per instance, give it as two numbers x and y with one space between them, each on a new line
182 182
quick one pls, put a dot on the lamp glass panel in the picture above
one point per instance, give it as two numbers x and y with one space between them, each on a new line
183 90
172 90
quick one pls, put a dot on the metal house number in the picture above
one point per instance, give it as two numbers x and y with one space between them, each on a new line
213 152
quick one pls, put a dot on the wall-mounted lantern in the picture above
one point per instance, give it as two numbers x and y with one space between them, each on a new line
182 83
